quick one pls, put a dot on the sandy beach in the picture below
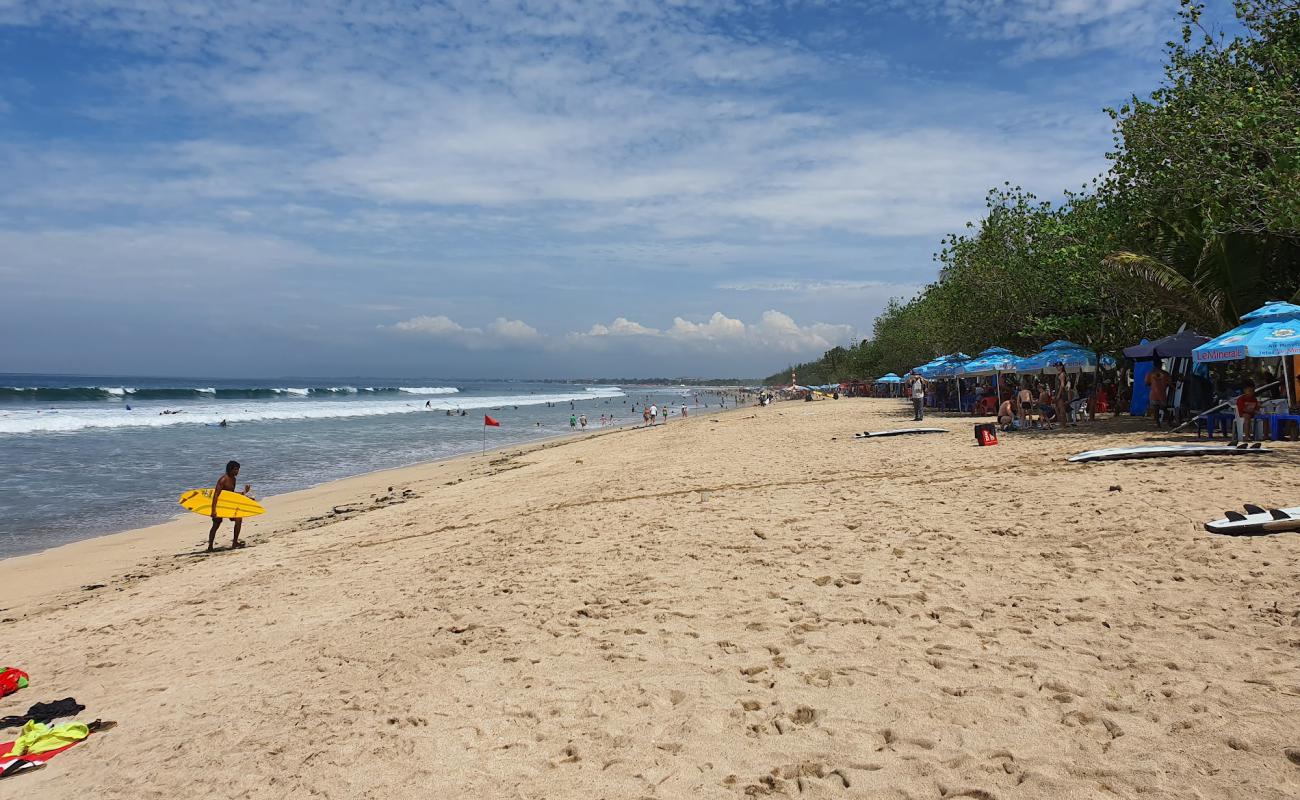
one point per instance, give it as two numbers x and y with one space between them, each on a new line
742 604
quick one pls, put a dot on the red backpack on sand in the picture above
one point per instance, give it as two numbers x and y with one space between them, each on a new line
11 680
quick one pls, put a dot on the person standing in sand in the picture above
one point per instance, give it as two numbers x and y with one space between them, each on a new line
917 385
226 483
1158 382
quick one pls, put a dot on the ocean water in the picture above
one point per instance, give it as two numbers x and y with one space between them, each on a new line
81 456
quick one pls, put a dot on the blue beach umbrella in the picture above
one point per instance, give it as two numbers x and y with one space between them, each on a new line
992 361
1271 331
1075 357
928 369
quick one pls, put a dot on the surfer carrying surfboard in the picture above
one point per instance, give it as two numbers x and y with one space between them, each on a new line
226 483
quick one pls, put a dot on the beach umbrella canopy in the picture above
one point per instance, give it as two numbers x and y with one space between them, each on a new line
1063 344
948 367
889 378
1270 331
1028 365
927 370
1073 356
990 362
1178 345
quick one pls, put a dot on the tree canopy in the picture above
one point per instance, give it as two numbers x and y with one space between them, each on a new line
1196 221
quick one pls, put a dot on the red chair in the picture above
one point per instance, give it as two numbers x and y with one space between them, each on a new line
988 406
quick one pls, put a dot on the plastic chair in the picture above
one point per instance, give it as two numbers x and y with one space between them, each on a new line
1077 409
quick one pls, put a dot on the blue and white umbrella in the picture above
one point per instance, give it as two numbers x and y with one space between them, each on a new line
948 367
992 361
1075 358
1271 331
929 369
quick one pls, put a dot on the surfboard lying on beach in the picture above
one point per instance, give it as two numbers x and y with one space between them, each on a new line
897 432
230 505
1256 521
1165 451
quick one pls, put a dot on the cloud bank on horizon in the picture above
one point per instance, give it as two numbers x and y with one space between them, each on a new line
518 187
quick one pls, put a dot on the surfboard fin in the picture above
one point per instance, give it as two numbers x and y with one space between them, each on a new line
1251 508
1277 513
1235 516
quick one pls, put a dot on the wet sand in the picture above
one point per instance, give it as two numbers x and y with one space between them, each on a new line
740 604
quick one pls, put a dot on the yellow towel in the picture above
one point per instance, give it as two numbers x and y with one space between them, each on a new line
37 737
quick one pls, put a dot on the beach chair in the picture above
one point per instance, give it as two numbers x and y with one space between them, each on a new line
1077 409
988 405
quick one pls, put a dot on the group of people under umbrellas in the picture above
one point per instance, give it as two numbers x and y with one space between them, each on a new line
1033 402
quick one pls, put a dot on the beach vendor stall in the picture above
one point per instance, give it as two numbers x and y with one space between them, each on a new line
1271 331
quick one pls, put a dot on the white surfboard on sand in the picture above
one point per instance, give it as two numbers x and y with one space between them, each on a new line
1166 451
897 432
1256 521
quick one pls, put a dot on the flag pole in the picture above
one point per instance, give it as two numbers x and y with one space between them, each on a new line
484 450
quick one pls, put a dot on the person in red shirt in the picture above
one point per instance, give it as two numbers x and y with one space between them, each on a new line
1247 408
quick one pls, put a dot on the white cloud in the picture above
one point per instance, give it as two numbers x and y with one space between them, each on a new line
500 333
773 332
582 116
1052 29
512 330
621 326
438 326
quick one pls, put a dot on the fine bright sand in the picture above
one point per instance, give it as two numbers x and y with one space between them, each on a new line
735 605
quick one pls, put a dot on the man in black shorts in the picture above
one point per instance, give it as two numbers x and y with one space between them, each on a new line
226 483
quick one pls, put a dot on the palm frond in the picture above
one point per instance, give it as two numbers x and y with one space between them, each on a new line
1202 304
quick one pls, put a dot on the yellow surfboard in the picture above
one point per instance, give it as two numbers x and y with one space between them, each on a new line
230 505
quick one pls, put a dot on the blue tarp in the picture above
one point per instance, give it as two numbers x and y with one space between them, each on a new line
1137 404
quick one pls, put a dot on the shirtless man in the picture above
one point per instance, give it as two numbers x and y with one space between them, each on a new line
226 483
1006 414
1025 400
1158 380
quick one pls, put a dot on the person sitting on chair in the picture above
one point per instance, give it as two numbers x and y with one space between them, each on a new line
1046 405
1247 408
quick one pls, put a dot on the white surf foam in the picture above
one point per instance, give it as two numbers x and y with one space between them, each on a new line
428 389
70 420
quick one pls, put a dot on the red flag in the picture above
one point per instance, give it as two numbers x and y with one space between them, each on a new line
489 421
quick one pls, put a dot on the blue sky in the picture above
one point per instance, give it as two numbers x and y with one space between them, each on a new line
493 188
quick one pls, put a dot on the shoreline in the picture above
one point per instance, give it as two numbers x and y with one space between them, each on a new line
130 553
